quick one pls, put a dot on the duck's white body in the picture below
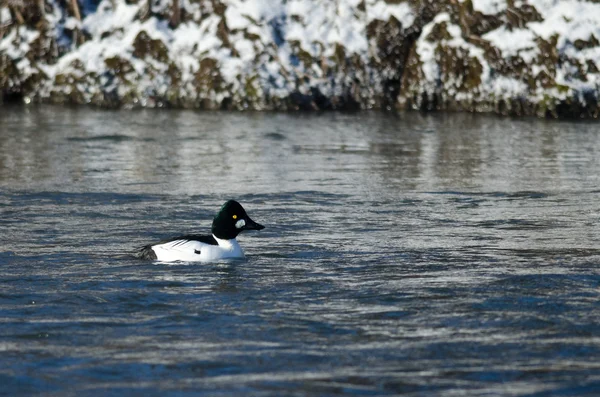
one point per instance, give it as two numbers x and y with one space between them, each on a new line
227 224
197 251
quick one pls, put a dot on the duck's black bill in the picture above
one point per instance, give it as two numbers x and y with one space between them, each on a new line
251 225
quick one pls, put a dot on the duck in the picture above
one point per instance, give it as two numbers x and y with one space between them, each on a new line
230 221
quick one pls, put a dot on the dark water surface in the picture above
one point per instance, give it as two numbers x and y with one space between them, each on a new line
423 255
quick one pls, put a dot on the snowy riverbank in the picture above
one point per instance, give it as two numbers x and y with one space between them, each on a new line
536 57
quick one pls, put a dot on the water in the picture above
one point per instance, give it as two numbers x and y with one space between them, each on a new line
422 255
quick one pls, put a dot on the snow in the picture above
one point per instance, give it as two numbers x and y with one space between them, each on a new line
16 45
257 10
72 23
286 30
506 87
107 19
514 42
327 23
317 27
4 16
489 7
568 20
235 19
571 20
379 9
426 49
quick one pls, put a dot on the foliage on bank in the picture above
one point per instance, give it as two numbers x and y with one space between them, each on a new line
537 57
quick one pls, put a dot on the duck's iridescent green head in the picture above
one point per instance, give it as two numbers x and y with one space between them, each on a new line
232 220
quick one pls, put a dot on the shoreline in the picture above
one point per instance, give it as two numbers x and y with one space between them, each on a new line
539 58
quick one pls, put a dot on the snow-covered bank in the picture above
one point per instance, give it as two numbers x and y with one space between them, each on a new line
537 57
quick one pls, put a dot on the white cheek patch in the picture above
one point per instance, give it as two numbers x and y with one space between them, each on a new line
240 224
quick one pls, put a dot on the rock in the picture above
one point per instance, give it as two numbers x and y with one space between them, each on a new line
507 57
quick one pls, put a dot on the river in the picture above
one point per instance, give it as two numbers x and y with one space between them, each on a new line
414 254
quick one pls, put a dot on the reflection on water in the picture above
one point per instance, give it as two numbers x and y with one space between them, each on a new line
204 153
408 254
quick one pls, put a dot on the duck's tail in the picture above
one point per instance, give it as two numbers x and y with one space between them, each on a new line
146 252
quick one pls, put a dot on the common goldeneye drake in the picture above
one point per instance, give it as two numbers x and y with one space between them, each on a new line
227 224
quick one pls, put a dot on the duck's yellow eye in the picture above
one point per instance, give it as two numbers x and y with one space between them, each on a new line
235 217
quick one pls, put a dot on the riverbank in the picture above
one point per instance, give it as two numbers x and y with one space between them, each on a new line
540 57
